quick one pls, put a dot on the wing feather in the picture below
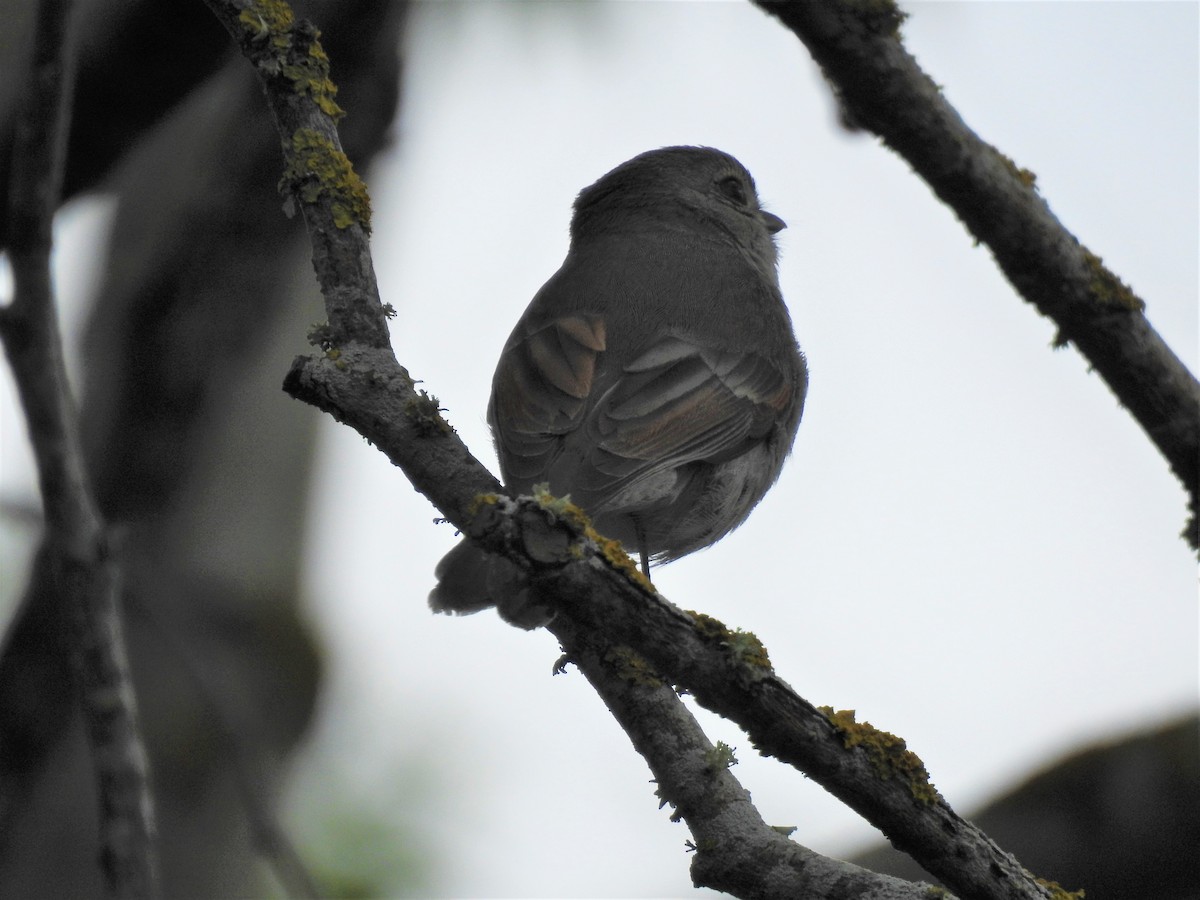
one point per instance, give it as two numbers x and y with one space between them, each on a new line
677 404
540 391
620 438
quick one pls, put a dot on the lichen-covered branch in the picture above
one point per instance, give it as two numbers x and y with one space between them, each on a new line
881 88
75 548
729 672
735 850
598 604
318 176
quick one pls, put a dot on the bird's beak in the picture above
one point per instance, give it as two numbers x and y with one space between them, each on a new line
773 222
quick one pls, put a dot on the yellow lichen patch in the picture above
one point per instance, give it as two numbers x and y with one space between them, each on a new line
744 646
708 626
334 355
482 500
610 549
317 170
1023 175
888 754
266 17
1108 288
1058 892
632 666
310 75
297 52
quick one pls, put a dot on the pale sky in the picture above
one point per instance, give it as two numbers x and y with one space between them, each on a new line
972 545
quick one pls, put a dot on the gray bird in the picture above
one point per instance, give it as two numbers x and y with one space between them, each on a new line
655 378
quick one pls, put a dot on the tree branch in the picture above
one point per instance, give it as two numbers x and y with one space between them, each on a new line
74 547
581 576
735 850
882 88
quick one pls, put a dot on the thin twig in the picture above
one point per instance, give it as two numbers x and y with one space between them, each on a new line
84 575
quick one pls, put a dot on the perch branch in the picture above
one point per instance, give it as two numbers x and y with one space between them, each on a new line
736 852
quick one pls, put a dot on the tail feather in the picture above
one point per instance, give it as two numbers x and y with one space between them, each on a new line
471 580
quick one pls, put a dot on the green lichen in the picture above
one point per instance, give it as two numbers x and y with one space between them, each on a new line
720 757
1108 288
425 411
560 506
744 646
888 754
317 170
631 666
610 549
747 648
933 892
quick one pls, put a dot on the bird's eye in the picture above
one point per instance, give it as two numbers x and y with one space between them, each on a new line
733 188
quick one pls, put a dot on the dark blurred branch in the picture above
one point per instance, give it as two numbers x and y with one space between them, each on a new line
117 43
358 380
881 88
75 547
270 839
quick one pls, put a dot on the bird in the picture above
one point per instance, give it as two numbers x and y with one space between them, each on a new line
655 378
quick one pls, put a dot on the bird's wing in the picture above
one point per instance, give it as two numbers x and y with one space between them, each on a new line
676 402
541 390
